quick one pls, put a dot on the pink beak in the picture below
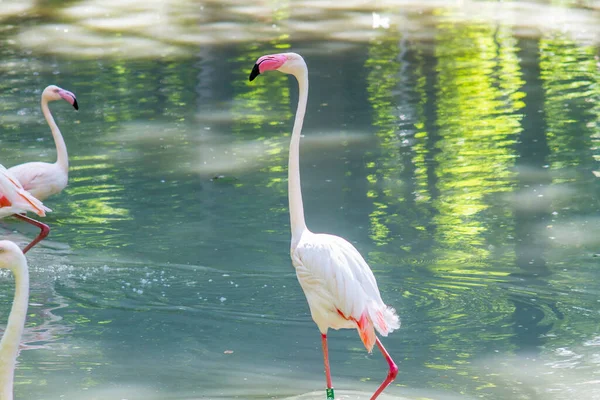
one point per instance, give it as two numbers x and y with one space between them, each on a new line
69 98
267 63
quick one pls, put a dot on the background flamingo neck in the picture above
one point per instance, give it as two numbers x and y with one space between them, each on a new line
9 345
294 189
62 158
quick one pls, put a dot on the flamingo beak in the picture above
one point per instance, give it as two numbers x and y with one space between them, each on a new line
255 72
69 97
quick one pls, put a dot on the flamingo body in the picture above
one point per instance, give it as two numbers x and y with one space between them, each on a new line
339 286
43 179
11 257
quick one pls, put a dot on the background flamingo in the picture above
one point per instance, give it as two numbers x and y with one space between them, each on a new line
11 257
43 179
339 285
15 200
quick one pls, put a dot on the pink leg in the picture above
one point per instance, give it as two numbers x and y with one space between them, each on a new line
393 372
326 360
44 231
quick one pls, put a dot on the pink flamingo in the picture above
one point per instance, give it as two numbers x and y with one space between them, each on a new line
11 257
15 200
339 285
44 179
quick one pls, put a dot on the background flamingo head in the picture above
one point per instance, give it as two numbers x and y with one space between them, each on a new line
52 93
289 63
10 254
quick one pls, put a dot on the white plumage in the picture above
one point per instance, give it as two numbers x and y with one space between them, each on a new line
43 179
340 288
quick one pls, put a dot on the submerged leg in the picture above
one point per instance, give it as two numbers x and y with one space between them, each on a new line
326 361
44 231
392 372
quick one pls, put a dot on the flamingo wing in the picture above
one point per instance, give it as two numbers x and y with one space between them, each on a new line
335 272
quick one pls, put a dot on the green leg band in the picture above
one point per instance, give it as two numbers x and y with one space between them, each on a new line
330 395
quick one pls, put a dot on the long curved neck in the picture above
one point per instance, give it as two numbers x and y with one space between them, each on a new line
62 158
294 188
9 345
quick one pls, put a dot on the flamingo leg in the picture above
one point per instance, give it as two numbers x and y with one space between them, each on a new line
44 230
393 372
326 361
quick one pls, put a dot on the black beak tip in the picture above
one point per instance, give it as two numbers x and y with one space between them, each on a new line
255 72
75 105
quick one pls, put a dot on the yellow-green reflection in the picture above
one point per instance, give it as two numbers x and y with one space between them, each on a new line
96 201
447 172
571 85
569 76
383 77
478 100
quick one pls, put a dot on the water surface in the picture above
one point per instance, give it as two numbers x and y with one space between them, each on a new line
454 145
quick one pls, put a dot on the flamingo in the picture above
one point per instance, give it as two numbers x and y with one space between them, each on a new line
11 257
43 179
15 200
339 286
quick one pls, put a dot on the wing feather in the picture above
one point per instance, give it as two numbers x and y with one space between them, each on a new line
344 278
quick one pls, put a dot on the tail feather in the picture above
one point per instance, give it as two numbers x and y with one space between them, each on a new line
366 331
385 319
36 205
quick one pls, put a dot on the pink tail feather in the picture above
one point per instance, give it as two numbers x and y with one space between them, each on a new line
366 331
382 318
385 320
30 203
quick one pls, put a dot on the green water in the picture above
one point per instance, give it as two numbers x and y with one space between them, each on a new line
455 149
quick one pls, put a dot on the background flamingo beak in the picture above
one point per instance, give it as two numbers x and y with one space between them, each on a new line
70 98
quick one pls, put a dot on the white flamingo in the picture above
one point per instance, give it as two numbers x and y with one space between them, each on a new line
15 200
43 179
11 257
339 285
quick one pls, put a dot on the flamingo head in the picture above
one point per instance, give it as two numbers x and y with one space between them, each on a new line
10 254
288 63
52 93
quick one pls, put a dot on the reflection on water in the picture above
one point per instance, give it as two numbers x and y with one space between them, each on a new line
455 149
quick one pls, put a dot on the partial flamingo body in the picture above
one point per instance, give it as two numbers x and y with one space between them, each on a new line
43 179
14 200
340 288
11 257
